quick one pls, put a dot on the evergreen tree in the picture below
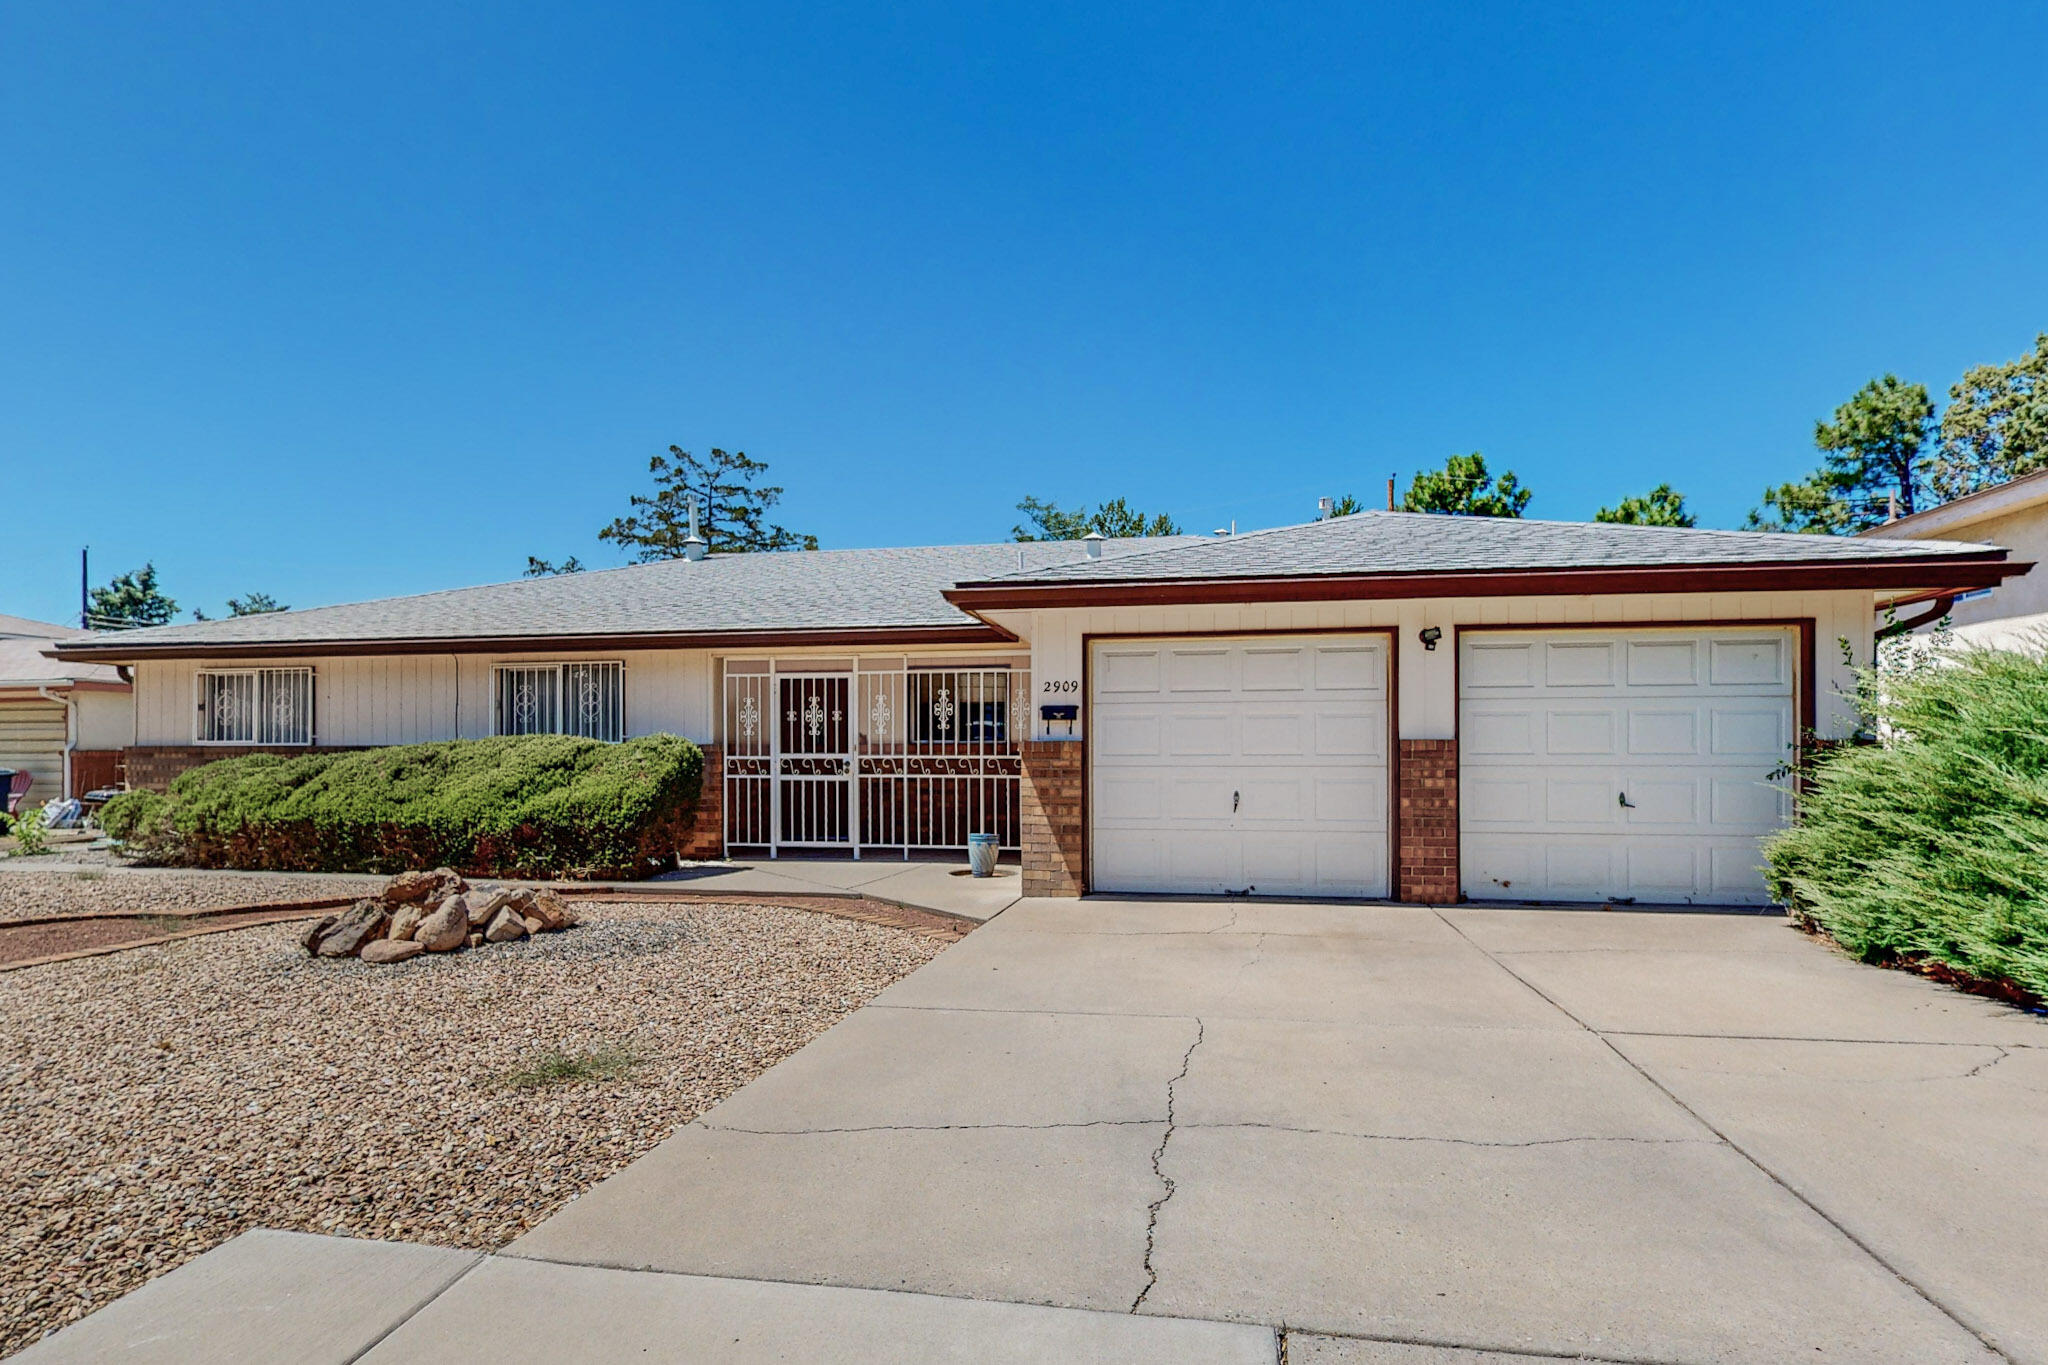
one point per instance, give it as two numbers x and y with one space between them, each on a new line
732 508
1464 488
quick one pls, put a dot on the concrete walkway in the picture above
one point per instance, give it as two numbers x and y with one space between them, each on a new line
1152 1131
941 884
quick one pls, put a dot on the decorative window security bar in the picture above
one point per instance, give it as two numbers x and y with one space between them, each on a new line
255 706
882 756
583 698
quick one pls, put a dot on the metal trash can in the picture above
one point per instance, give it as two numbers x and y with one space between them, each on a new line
981 854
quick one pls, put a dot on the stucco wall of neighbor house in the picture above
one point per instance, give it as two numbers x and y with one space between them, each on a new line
105 720
1427 679
2024 531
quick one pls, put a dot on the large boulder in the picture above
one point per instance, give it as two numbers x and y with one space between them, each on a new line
549 908
404 920
446 929
424 888
364 922
388 950
505 927
310 938
484 906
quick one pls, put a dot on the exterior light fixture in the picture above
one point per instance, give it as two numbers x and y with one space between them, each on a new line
1430 635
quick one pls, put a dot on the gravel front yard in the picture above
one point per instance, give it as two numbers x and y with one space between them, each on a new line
117 891
156 1102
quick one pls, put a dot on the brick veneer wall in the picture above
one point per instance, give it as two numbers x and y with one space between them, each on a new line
707 835
153 766
1427 867
1055 840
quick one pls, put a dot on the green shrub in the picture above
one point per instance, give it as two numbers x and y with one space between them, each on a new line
514 806
30 836
1933 846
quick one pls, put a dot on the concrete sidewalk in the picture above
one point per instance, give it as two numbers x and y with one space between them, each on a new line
285 1298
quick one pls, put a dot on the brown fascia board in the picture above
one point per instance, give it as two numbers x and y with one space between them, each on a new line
1961 574
969 634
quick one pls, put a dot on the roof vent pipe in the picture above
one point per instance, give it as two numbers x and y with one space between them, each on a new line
694 544
1092 542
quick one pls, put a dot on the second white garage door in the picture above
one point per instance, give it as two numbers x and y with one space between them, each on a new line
1232 765
1627 764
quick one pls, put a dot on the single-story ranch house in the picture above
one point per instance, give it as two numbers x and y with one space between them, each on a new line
1385 704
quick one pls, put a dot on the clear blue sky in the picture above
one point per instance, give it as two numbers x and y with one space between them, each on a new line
341 301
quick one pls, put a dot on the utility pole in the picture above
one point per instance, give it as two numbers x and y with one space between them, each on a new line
84 587
1390 492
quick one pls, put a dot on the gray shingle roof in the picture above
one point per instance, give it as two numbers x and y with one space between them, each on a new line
901 588
1416 542
797 591
23 663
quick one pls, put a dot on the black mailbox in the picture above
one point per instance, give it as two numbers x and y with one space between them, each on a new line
1065 714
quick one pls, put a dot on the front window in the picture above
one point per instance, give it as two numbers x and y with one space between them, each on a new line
960 707
584 699
256 706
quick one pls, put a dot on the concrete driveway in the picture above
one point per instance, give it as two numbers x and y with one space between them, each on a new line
1394 1134
1251 1133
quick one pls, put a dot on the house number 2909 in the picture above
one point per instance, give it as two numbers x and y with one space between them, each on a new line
1054 686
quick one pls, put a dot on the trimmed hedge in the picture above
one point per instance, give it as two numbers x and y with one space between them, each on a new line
1933 847
514 806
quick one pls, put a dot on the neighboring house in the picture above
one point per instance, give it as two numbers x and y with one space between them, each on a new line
2014 515
65 724
1384 704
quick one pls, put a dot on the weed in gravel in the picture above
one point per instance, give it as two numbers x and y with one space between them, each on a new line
90 874
558 1067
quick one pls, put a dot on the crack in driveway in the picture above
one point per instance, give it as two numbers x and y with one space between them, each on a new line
1158 1156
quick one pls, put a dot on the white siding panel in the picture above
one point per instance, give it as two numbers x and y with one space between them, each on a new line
414 698
1427 706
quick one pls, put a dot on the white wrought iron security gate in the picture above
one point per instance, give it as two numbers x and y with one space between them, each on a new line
885 755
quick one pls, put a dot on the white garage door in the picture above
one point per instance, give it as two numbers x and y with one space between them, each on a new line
1255 764
1627 765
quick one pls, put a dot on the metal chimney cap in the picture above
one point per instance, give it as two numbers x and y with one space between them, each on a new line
695 547
1093 543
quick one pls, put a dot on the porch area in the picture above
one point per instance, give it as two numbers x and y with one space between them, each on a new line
875 757
924 881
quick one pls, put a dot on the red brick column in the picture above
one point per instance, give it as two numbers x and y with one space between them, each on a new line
1427 870
1055 840
707 831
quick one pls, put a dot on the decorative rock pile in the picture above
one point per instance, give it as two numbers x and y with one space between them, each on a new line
435 912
